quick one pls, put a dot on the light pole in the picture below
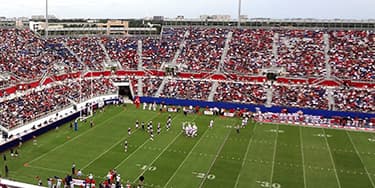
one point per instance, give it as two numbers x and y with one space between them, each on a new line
239 14
46 27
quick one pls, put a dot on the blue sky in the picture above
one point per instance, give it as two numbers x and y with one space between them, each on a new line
322 9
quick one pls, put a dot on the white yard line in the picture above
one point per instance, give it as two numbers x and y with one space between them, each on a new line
360 158
135 151
303 158
274 154
333 162
245 157
75 138
114 145
188 155
213 162
152 162
47 169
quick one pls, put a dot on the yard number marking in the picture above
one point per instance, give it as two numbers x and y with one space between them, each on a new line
267 184
203 175
145 167
371 139
276 131
323 135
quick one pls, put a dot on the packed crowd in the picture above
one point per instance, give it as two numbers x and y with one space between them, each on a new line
203 49
352 54
355 100
150 85
240 93
34 104
249 51
123 50
187 89
90 88
155 52
300 96
89 51
301 52
25 55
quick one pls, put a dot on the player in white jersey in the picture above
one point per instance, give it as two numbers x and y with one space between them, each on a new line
154 106
126 146
151 135
159 128
211 123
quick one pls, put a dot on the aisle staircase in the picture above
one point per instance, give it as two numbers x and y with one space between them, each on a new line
225 52
161 87
269 95
140 56
214 86
74 54
140 87
331 99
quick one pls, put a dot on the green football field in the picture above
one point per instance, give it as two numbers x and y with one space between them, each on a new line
273 156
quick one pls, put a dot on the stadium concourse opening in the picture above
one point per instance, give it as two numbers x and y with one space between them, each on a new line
125 92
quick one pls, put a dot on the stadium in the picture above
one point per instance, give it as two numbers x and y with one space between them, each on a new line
178 102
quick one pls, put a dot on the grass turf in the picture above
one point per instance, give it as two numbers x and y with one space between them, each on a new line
261 155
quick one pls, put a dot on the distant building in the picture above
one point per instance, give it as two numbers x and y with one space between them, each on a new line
204 17
244 17
217 17
37 17
180 17
42 17
158 18
221 17
115 24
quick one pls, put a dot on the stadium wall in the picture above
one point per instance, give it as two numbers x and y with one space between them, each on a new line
253 107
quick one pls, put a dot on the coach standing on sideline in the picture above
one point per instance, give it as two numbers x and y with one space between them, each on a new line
6 170
73 169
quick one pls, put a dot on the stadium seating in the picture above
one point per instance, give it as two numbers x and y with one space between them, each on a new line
352 54
91 88
25 108
88 50
26 57
150 85
32 105
187 89
249 51
301 52
240 93
203 49
304 96
350 99
123 50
